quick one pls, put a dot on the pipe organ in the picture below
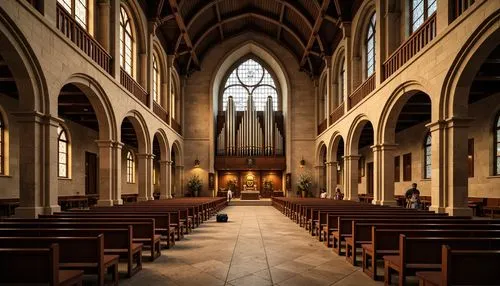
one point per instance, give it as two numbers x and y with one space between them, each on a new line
250 132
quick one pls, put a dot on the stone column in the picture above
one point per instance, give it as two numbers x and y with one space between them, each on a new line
106 154
383 179
38 165
115 39
329 92
328 185
438 163
168 103
165 192
392 26
333 179
149 62
145 177
457 179
346 28
444 15
117 173
351 175
379 42
103 9
178 183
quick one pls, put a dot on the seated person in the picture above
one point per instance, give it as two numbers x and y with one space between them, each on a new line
338 195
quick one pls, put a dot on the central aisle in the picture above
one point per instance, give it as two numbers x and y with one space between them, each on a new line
258 246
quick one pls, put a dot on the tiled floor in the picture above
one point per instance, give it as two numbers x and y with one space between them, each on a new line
258 246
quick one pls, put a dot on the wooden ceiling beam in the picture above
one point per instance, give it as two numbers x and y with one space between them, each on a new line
314 32
184 33
282 13
217 10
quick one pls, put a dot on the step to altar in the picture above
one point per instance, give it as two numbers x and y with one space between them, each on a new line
261 202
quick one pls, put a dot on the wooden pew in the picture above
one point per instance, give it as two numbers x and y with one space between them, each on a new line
464 267
75 253
362 229
143 231
424 254
42 264
116 241
386 242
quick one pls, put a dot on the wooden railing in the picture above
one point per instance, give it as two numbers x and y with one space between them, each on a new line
411 46
160 111
459 7
362 91
71 29
131 85
176 126
322 126
337 113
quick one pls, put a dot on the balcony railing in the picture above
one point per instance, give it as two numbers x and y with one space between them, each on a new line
160 111
459 7
410 47
337 113
176 126
77 34
322 126
131 85
362 91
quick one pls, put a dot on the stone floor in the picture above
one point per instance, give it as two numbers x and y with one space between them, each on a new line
258 246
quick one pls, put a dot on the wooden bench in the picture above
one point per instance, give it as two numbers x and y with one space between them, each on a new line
424 254
386 242
116 241
464 267
42 264
492 207
75 253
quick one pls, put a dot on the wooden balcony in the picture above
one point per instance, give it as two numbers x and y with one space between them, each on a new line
459 7
131 85
362 91
322 126
77 34
337 113
161 112
421 37
176 126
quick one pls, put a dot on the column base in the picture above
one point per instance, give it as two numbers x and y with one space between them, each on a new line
52 209
459 211
142 199
391 203
118 202
437 209
104 203
375 202
165 197
28 212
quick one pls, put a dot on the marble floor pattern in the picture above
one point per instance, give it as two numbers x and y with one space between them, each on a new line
258 246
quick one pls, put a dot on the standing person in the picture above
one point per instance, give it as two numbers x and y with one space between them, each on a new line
338 195
229 195
412 196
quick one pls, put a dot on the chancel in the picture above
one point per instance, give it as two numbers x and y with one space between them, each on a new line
348 142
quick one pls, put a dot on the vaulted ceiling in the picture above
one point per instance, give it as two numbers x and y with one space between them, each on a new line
310 29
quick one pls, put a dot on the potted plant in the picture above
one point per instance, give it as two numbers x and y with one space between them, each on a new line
194 185
304 184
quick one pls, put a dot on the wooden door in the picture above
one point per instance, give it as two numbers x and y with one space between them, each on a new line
90 173
369 178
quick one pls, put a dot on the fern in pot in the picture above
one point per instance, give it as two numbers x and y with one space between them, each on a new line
194 185
304 184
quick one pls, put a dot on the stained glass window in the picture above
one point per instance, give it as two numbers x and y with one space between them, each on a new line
370 47
78 9
62 152
250 77
420 11
427 157
130 167
126 42
156 80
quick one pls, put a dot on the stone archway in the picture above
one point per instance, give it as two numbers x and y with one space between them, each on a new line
161 164
336 164
177 172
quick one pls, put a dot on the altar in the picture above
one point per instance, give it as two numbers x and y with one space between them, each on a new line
249 195
250 191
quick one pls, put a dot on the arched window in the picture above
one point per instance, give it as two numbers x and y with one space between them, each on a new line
370 47
130 167
2 146
173 97
156 80
497 145
342 83
63 152
78 9
126 42
250 77
420 10
427 157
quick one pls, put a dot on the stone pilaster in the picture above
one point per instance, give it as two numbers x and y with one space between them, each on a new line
329 91
346 29
165 186
145 177
117 173
103 15
438 159
351 174
115 38
383 163
106 154
379 42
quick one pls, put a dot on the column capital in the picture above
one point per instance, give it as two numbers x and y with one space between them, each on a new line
458 122
328 61
436 125
104 143
352 157
36 116
118 144
346 28
383 147
145 156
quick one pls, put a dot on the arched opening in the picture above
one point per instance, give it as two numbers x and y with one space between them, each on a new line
321 168
337 154
133 138
161 167
359 163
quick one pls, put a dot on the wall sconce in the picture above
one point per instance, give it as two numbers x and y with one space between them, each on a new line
196 162
302 162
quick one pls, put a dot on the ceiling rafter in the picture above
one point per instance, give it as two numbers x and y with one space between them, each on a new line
217 10
314 32
249 14
159 9
184 33
282 13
